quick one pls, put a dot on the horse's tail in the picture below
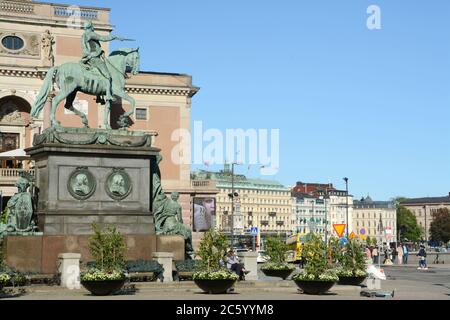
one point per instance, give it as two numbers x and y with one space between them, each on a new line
44 93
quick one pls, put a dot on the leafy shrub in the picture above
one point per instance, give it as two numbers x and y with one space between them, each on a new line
4 279
108 249
212 252
316 254
352 259
16 278
276 250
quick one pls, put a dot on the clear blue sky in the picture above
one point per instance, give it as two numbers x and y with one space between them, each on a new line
370 105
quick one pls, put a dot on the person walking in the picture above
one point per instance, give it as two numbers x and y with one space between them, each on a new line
405 254
394 254
422 258
399 254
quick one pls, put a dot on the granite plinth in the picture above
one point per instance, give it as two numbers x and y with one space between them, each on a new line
41 254
74 181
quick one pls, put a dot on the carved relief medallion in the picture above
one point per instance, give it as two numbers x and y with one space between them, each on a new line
81 184
118 185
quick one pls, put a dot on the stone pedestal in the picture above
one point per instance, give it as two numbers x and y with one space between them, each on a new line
249 259
69 268
41 254
166 260
92 175
173 244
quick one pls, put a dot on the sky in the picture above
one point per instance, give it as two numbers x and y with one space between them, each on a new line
370 105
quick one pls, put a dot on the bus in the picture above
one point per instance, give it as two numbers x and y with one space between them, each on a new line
295 245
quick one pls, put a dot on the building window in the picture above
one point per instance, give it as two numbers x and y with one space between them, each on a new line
141 113
13 43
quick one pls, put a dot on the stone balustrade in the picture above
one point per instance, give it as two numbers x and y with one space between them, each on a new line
16 7
71 12
13 173
204 184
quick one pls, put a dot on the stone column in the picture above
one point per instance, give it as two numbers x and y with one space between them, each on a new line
166 260
69 268
249 259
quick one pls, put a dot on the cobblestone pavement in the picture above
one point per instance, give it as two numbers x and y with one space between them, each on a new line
408 283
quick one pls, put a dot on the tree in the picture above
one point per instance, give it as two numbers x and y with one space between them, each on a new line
440 227
407 226
108 248
276 250
213 251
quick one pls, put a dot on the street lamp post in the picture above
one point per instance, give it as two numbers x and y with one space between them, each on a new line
233 195
426 230
346 195
326 219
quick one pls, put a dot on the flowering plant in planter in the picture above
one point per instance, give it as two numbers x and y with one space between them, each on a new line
350 273
99 275
352 260
329 276
318 267
212 253
108 250
277 266
4 279
217 275
276 250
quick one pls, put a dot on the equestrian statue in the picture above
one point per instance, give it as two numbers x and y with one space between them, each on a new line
94 75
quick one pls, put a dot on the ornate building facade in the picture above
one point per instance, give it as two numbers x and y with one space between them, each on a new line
331 206
265 204
377 218
34 36
424 208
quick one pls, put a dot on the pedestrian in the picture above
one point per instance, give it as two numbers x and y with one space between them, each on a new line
368 253
394 253
422 258
399 254
375 255
405 254
388 256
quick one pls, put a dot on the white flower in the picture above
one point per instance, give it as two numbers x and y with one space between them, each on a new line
218 275
98 275
4 278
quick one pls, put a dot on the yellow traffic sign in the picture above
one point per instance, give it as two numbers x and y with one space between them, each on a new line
340 229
